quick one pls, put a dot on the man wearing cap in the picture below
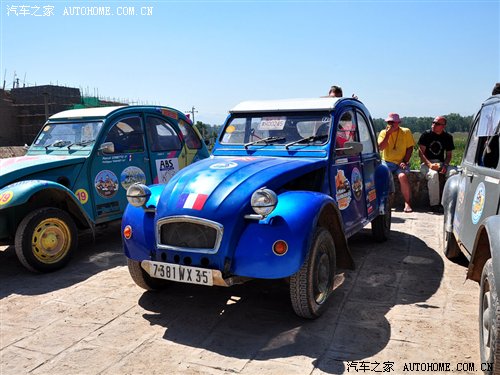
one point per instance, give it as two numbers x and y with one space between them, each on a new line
396 144
435 149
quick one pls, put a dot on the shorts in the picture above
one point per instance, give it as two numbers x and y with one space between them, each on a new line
395 168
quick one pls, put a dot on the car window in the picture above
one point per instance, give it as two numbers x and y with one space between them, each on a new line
346 131
470 153
126 135
162 136
365 136
190 137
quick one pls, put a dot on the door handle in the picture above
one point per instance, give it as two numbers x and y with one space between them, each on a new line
146 159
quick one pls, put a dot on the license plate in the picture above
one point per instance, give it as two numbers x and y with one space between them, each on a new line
177 272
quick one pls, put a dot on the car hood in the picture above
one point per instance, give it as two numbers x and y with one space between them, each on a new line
223 185
13 169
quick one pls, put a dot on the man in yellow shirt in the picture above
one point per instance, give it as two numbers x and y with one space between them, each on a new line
396 144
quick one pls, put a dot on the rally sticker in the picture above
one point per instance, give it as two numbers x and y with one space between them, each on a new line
227 165
106 184
357 183
82 195
343 190
478 203
6 197
166 168
132 175
192 200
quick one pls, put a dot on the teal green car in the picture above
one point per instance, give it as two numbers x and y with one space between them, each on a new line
75 175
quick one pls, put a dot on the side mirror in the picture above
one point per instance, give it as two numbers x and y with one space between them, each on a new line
351 148
107 148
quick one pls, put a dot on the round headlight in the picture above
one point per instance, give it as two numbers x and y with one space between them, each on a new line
138 195
264 201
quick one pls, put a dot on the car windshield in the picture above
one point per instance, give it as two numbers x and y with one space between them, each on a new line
278 129
77 134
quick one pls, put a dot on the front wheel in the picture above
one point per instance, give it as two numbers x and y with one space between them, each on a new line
489 320
142 278
45 239
311 286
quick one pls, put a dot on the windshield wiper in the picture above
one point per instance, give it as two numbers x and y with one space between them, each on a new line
307 139
83 143
58 143
267 141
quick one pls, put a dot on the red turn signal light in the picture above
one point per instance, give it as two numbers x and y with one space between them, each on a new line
127 232
280 247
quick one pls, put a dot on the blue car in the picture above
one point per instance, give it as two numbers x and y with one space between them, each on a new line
288 182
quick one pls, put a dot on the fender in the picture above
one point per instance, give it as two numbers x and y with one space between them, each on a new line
449 200
18 193
486 245
254 257
141 220
383 179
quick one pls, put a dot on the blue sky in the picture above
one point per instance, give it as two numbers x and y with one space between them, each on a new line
418 58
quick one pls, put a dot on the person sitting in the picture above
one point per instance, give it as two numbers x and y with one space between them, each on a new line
396 144
435 151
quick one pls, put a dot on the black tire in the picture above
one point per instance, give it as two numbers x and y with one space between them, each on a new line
46 239
311 286
489 320
450 245
141 277
381 225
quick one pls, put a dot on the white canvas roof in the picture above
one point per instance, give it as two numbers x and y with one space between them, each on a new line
85 112
307 104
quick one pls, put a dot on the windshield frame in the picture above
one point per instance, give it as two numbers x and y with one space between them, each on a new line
76 137
287 126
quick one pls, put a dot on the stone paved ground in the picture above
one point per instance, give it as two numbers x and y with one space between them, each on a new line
403 304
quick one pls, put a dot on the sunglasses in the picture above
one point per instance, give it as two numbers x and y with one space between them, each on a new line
437 123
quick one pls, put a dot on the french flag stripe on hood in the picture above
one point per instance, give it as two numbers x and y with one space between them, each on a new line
193 200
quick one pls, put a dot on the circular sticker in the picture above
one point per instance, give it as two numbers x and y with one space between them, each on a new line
106 184
357 184
230 129
82 195
478 203
6 197
132 175
227 165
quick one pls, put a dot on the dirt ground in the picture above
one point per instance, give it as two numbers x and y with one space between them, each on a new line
403 310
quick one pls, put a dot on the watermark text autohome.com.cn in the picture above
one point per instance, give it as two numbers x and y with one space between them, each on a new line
50 10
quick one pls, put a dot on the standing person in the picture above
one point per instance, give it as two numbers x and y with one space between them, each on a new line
396 144
335 91
435 151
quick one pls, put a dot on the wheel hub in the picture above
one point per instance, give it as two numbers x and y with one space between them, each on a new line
51 240
322 280
486 326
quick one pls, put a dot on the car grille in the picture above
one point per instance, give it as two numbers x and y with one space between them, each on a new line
189 234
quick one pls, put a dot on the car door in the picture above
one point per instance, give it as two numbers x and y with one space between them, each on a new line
346 174
115 168
479 185
370 159
165 148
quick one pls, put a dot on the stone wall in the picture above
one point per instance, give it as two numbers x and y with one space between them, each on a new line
419 191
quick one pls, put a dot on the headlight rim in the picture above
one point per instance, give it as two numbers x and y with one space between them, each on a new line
264 210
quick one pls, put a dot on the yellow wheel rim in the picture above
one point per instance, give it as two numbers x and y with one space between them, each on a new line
51 240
